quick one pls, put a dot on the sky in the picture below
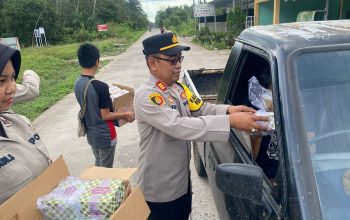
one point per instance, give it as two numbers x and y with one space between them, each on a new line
152 6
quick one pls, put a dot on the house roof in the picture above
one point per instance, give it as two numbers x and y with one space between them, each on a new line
291 36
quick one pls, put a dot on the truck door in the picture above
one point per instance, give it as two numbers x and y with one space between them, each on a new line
239 149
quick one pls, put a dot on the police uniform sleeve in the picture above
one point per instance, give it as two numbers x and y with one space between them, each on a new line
210 109
150 108
29 89
198 107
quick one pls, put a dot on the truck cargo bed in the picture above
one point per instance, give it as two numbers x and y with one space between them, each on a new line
204 82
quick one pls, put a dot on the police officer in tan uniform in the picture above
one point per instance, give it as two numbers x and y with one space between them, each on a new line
29 89
22 154
168 117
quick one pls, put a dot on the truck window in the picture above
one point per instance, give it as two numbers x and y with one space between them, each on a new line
324 88
261 149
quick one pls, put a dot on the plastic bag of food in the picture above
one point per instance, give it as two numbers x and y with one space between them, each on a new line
261 98
74 198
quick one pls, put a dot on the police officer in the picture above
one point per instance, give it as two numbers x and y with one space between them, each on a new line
22 154
168 116
29 89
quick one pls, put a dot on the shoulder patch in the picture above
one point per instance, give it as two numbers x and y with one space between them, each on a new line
156 99
161 86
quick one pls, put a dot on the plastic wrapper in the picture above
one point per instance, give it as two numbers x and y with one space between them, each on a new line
261 98
74 198
270 123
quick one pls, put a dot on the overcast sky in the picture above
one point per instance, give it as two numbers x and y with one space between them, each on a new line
152 6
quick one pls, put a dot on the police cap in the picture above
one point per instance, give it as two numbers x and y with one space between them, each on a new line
166 43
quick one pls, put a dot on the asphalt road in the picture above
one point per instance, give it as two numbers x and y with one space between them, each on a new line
57 126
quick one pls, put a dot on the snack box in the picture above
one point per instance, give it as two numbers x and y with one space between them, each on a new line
124 102
22 206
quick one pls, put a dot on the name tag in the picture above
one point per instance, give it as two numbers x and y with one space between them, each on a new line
6 159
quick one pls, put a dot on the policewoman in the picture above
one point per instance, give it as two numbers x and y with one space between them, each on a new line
22 154
168 117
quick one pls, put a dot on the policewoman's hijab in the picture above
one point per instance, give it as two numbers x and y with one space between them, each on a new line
7 53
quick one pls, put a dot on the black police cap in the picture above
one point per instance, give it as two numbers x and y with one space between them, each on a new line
7 53
166 43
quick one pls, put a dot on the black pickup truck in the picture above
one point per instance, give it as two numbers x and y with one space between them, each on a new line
309 65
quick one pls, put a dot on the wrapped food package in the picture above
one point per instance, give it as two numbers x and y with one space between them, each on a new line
261 98
270 124
74 198
267 100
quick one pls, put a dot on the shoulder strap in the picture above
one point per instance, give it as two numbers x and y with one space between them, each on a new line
83 109
194 102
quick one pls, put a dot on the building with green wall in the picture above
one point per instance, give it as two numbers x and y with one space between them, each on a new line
285 11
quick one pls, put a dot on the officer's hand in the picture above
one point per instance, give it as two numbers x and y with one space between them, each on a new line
239 108
247 121
129 116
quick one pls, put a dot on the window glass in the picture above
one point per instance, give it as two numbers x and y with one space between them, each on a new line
324 83
263 149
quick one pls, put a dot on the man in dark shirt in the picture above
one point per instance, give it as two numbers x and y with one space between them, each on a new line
99 116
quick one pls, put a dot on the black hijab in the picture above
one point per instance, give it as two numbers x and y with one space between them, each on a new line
7 53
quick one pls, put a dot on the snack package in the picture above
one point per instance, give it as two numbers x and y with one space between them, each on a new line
261 98
270 123
74 198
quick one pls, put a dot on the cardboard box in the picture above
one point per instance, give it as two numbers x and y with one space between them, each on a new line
22 206
124 103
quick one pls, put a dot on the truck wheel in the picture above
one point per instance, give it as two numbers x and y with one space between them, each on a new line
198 164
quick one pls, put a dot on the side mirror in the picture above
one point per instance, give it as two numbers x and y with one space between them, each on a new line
240 180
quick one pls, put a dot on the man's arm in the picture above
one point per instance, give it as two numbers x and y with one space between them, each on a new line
106 114
105 104
29 89
150 108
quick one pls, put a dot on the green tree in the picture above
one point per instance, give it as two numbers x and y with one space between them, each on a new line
236 20
137 17
68 20
179 19
20 17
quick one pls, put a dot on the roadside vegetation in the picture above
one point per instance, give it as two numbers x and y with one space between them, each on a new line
58 69
176 19
181 21
67 23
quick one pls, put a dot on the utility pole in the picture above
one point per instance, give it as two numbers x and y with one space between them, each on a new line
93 10
194 18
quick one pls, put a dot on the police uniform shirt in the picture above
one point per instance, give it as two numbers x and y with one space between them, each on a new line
22 154
167 119
29 89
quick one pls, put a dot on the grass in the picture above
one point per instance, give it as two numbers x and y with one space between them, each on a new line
58 69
